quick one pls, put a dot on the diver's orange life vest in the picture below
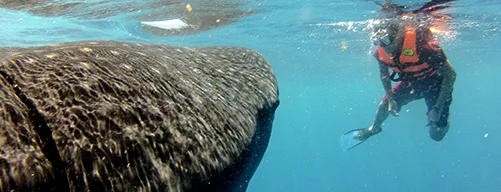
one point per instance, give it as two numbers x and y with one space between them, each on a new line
408 61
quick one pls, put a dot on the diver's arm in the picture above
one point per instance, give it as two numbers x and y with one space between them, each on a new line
449 77
385 80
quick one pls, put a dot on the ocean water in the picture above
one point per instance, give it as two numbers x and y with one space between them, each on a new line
329 84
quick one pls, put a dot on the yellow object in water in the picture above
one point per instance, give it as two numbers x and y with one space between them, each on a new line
344 45
188 8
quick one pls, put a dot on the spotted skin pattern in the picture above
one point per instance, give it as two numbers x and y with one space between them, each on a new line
116 116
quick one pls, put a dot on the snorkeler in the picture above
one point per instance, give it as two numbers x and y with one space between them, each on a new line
421 71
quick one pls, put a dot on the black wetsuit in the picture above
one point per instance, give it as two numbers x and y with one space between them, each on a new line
409 88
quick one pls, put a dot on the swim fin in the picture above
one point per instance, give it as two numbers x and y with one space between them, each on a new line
352 139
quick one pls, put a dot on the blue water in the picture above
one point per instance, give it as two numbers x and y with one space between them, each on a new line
326 91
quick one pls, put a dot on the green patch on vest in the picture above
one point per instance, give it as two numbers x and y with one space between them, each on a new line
408 52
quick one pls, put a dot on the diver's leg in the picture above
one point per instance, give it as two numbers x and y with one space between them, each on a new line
381 114
402 96
437 133
439 129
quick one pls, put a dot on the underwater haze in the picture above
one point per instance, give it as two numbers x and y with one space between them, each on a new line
329 84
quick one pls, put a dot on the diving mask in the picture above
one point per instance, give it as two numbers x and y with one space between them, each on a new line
385 40
382 38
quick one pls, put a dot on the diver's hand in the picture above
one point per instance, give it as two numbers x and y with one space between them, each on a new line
432 117
392 107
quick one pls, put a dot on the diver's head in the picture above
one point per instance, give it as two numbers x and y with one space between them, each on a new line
387 35
390 33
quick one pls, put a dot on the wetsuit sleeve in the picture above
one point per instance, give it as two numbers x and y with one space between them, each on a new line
434 53
438 57
375 54
384 73
445 69
448 73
